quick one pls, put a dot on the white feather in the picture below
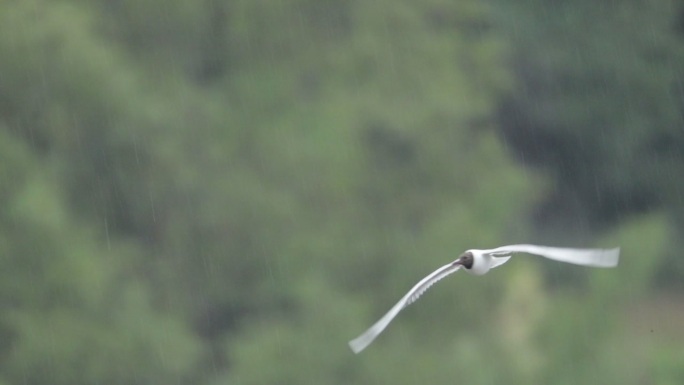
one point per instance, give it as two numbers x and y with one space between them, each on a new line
361 342
584 257
486 260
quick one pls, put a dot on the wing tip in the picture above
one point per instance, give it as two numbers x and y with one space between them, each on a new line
611 257
357 346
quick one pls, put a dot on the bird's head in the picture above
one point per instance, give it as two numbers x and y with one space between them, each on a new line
466 260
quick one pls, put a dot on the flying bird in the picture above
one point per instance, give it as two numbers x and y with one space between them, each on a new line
479 262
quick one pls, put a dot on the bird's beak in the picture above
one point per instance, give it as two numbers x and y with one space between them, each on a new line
458 261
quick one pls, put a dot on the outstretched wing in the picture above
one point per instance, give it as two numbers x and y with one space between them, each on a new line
585 257
361 342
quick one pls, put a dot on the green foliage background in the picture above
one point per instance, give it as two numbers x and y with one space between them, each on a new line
226 192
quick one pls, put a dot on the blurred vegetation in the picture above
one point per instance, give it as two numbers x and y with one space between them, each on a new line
226 192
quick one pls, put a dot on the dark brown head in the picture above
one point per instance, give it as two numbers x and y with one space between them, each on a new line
466 260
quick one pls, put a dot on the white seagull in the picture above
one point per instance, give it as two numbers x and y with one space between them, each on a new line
478 262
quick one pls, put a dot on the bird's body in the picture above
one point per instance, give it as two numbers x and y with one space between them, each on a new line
479 262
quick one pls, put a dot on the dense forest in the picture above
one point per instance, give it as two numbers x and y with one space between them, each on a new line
226 192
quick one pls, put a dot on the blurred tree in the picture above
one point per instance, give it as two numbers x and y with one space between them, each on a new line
69 315
597 105
206 192
377 155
